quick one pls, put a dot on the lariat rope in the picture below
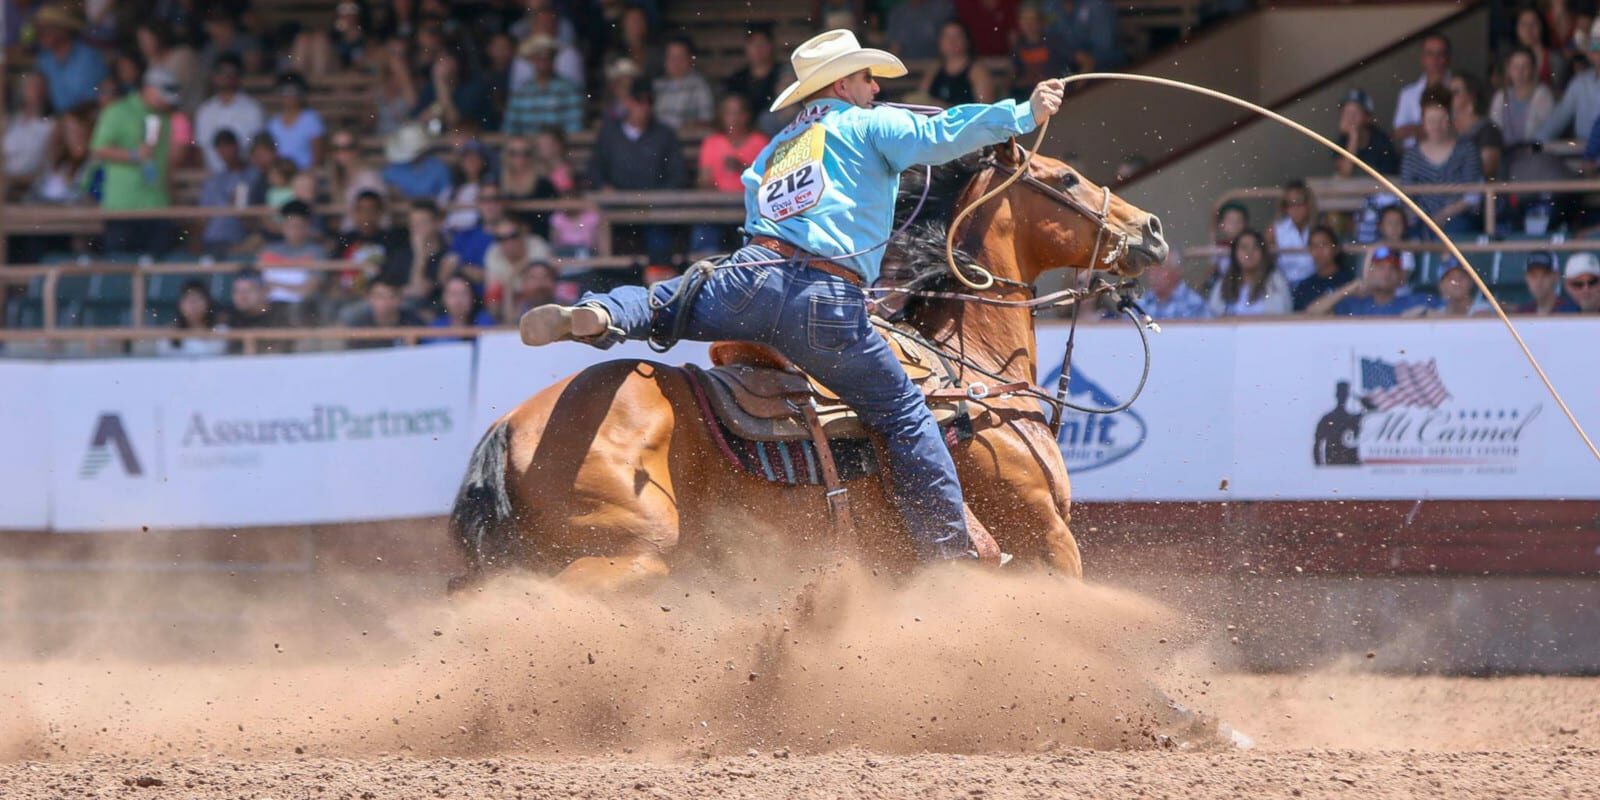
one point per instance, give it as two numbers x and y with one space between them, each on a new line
987 278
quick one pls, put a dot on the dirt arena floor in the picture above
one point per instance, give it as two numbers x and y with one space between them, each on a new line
948 685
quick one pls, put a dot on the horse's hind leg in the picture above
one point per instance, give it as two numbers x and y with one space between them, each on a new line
613 573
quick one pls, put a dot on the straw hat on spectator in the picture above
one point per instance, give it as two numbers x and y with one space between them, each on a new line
827 57
57 15
406 144
622 68
536 44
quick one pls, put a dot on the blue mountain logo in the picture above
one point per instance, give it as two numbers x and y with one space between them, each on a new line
1092 441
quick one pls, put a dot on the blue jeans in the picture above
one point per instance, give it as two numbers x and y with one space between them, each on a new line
820 323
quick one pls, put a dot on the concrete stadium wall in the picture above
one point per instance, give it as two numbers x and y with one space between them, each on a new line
1263 153
1263 57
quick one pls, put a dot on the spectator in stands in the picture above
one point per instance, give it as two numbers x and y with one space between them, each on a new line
460 307
539 284
1435 73
1583 282
546 100
29 130
455 100
131 140
633 42
1375 293
1442 157
1533 35
295 288
1456 293
576 233
297 129
196 312
724 156
1580 103
912 31
639 153
224 39
1560 22
228 109
263 154
252 310
568 62
552 162
318 53
470 175
1396 233
160 46
1467 108
523 178
280 180
620 74
431 261
413 173
73 70
1232 219
1252 286
62 180
228 185
758 79
957 78
1035 56
1359 133
683 97
372 244
1524 104
530 23
1170 297
513 248
471 246
1330 270
345 176
1291 234
988 25
1087 30
397 89
382 309
1544 288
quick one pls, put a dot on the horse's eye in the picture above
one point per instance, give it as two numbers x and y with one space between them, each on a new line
1069 180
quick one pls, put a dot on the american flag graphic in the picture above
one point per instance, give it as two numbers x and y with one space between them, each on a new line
1402 383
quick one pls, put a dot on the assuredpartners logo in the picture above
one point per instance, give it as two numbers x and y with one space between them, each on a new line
212 441
109 443
1092 441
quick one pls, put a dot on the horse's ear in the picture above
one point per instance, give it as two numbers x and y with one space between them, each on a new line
1007 153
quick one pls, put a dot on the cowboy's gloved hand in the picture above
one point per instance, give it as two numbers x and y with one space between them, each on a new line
1046 100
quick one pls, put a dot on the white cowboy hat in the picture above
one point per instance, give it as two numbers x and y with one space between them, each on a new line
827 57
404 145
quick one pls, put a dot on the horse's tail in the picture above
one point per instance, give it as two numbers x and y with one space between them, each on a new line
481 521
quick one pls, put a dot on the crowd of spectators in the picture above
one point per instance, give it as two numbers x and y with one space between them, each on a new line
473 104
1447 127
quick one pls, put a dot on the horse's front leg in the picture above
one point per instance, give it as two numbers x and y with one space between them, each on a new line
1017 486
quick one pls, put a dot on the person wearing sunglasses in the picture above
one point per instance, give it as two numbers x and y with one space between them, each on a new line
1375 293
1583 282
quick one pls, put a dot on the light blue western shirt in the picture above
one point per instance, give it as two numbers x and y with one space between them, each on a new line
865 150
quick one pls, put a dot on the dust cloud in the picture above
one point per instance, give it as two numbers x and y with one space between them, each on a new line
953 660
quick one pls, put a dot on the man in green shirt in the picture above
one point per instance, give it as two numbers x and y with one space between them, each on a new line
131 140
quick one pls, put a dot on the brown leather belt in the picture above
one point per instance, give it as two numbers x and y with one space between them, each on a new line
787 250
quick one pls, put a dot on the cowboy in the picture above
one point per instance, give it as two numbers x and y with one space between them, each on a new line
819 202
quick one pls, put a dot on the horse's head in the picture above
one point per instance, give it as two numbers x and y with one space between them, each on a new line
1063 219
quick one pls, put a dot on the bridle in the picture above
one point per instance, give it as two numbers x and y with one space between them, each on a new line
1110 246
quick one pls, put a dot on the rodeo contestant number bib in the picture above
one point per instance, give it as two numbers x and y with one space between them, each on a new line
794 181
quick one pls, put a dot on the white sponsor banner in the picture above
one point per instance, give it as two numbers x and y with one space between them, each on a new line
24 446
510 372
270 440
1174 443
1402 410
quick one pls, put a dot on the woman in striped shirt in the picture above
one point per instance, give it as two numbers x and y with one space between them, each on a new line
1440 156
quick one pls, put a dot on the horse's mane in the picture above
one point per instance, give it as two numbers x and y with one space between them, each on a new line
916 258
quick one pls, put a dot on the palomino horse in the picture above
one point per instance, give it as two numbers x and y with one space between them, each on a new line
611 475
